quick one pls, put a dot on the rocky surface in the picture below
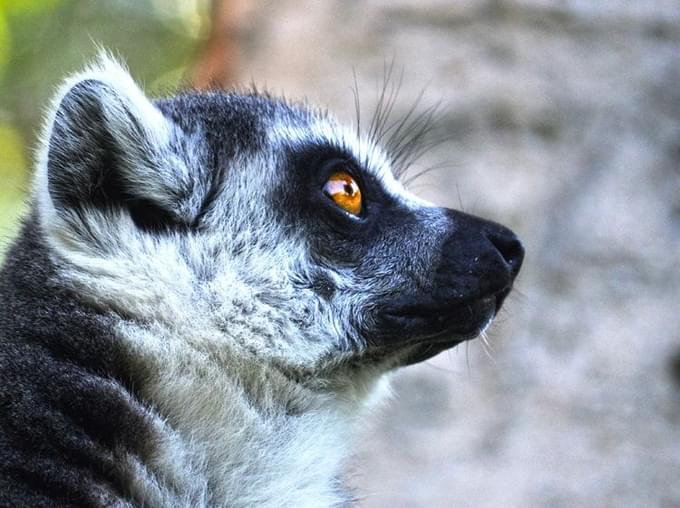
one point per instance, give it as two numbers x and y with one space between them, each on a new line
564 123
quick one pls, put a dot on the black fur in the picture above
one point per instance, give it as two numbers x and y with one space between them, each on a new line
63 419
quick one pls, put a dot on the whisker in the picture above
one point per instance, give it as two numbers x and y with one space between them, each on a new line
518 294
442 369
486 346
460 198
406 137
357 102
429 169
467 357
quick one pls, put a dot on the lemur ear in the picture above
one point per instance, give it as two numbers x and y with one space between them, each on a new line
109 147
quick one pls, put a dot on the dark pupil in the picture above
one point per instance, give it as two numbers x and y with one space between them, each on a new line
349 190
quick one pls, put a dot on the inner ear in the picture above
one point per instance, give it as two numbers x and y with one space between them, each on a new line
82 154
110 148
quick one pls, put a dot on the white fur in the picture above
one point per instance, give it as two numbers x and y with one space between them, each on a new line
232 427
237 451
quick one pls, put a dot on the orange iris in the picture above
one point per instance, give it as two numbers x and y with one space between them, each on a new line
342 188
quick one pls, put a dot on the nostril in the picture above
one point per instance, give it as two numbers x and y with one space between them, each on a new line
510 248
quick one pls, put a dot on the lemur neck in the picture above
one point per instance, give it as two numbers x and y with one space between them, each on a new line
248 434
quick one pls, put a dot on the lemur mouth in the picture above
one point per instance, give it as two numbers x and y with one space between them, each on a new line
425 328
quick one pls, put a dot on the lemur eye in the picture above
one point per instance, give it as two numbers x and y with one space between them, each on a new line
344 190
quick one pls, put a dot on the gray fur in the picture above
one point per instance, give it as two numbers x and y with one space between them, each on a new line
253 329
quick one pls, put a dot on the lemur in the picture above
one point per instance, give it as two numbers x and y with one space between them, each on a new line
207 294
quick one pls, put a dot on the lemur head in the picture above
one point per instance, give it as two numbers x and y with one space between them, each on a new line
259 226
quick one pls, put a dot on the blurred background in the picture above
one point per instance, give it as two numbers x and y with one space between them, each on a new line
563 122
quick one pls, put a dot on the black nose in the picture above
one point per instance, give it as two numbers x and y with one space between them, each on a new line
479 257
509 247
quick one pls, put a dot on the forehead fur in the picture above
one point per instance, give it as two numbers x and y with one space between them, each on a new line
251 124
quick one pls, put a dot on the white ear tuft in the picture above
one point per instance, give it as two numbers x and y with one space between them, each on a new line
106 145
107 70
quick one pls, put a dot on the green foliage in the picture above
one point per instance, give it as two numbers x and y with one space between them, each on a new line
4 43
12 179
41 41
27 6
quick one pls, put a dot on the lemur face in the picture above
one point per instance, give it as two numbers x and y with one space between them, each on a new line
259 226
411 278
408 279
